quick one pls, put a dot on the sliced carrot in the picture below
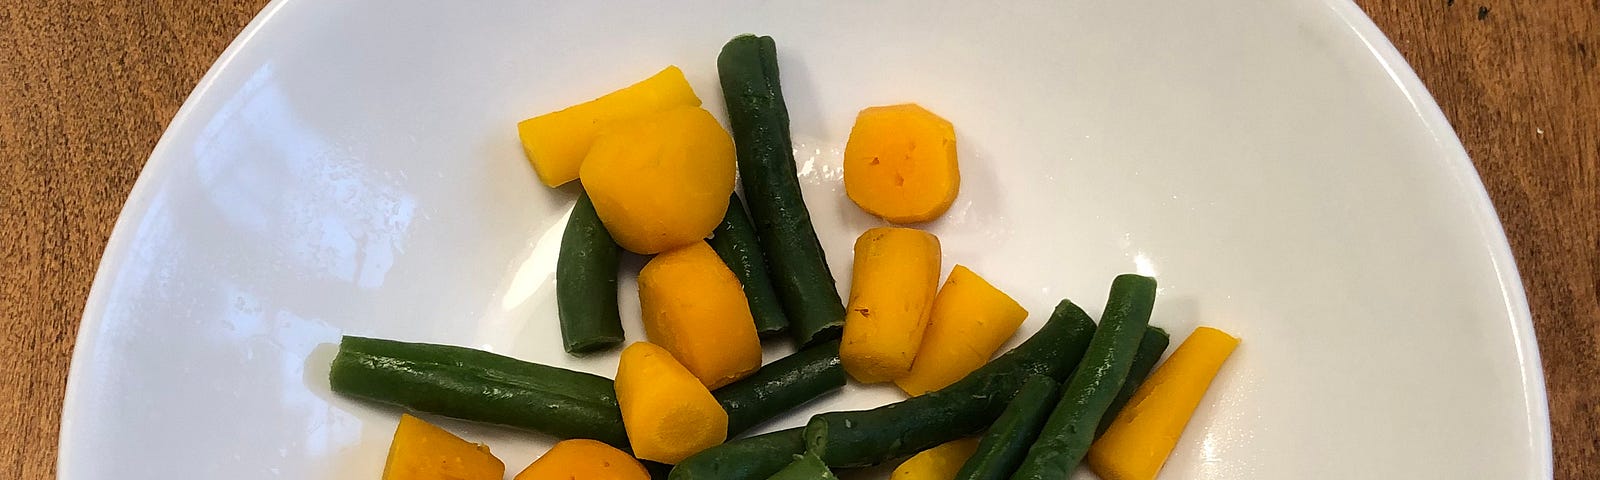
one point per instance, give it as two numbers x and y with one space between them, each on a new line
422 451
584 459
556 142
668 413
971 319
1144 433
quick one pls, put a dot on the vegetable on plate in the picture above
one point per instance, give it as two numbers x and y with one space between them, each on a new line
1144 433
693 307
422 451
900 163
480 386
557 142
1093 386
748 70
781 386
869 437
736 242
754 458
970 320
586 283
1151 347
584 459
937 463
804 467
1003 446
668 413
892 287
660 181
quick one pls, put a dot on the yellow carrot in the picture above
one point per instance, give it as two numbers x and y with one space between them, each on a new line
422 451
668 413
970 321
892 285
1144 433
937 463
556 142
900 163
660 181
584 459
694 307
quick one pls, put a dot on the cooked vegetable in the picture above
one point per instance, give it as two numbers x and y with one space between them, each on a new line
900 163
1138 442
804 467
891 291
586 283
669 414
556 142
868 437
661 181
1151 347
754 458
421 451
748 67
480 386
1004 445
583 459
735 241
694 308
970 321
1086 396
781 386
937 463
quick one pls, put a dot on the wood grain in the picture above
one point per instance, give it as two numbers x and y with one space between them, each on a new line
86 88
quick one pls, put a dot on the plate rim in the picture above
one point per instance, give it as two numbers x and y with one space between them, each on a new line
1459 165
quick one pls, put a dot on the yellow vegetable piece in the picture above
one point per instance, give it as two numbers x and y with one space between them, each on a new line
891 291
662 181
556 142
584 459
694 307
422 451
900 163
1139 440
668 413
937 463
970 321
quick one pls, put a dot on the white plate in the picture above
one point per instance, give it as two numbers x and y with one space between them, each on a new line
352 167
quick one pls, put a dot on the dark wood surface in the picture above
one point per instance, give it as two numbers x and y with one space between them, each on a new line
86 88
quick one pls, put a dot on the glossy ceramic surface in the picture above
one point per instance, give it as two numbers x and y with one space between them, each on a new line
352 167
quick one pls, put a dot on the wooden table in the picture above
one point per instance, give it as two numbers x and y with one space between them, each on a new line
86 88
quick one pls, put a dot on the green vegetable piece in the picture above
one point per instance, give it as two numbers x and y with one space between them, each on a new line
586 283
748 68
869 437
805 467
1002 448
781 386
753 458
736 242
479 386
1094 385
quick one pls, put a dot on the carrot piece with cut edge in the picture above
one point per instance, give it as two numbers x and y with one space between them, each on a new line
668 414
970 320
422 451
900 163
660 181
937 463
1146 430
584 459
557 142
694 307
892 287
